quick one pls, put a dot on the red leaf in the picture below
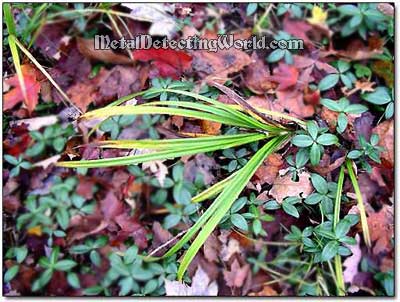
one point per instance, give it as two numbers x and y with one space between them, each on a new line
16 95
169 62
111 206
285 75
297 28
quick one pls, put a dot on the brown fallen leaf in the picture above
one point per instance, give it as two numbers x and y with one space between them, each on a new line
355 51
325 169
385 131
385 70
268 171
381 225
111 206
302 62
237 274
202 164
212 248
267 291
131 227
86 48
293 101
230 246
284 186
108 84
52 38
160 236
220 64
82 226
256 76
285 76
211 128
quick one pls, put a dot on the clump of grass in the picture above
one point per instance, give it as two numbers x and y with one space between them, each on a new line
253 130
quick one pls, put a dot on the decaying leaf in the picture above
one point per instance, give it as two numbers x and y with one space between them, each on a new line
230 245
382 229
212 248
237 274
256 76
269 170
219 65
285 76
284 186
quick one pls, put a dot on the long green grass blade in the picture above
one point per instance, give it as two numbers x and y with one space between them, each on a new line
213 190
228 108
360 203
340 287
139 110
180 143
158 155
47 75
228 196
206 108
17 64
9 19
338 199
217 204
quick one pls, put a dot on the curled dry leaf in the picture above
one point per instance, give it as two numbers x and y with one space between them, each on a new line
362 86
86 48
284 186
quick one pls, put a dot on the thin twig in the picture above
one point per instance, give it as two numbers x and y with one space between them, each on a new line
240 101
167 243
